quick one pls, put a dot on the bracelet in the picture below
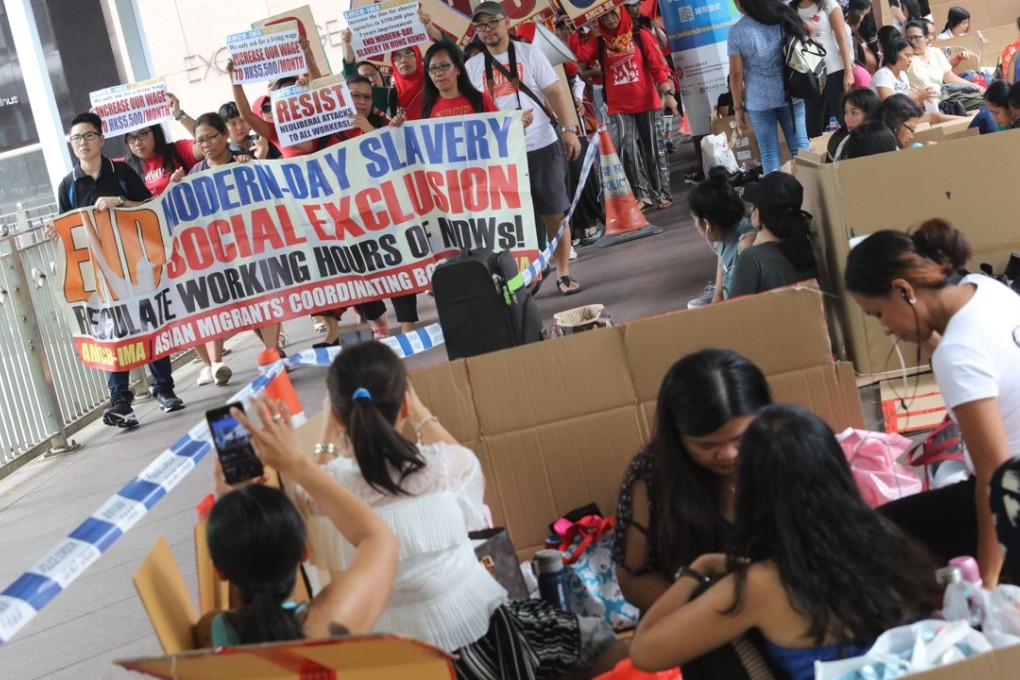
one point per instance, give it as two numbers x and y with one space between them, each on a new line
181 117
694 574
324 447
669 93
421 424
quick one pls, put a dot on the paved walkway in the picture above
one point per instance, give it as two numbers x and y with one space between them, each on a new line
99 618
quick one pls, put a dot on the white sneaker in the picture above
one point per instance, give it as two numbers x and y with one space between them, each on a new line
573 253
221 373
205 376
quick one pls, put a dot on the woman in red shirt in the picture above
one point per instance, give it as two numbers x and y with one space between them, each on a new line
155 159
448 90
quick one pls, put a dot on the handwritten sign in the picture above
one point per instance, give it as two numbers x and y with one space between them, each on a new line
384 27
133 106
267 53
303 113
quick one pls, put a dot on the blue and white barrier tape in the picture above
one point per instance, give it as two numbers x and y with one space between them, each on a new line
405 345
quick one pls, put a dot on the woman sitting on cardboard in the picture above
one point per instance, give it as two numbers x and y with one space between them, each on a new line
782 254
429 491
676 498
257 541
808 564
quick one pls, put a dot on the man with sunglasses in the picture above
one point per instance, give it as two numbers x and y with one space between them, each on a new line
101 183
547 156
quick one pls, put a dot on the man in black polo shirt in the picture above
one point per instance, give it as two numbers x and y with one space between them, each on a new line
102 183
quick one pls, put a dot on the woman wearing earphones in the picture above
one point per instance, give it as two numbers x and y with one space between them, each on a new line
971 326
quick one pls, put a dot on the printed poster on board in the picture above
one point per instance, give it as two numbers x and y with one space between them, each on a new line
381 28
322 108
266 53
125 108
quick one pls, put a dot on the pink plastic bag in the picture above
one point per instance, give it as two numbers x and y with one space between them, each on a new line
872 457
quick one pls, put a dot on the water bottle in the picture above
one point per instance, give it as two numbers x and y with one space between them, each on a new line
833 124
552 578
964 599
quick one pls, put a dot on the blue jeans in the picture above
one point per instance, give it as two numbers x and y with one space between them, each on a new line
794 128
119 382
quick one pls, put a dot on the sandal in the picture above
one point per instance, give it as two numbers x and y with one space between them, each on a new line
567 285
645 206
665 203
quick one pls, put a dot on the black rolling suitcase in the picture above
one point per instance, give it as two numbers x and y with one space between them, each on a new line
477 311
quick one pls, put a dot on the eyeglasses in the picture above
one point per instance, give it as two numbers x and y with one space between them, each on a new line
208 139
490 25
88 137
407 54
910 129
361 97
442 67
267 108
137 137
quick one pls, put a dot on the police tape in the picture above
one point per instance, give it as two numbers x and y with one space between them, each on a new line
34 589
404 345
531 273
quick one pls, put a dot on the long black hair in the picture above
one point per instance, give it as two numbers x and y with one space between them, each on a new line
717 201
775 13
256 540
464 85
867 139
367 383
891 50
957 15
849 571
793 228
700 393
896 110
166 150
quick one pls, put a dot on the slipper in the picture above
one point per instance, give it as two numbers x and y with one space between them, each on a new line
536 282
665 203
567 285
645 206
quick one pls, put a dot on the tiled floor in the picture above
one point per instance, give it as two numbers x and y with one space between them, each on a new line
99 618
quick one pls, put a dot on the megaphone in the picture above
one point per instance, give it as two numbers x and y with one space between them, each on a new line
554 49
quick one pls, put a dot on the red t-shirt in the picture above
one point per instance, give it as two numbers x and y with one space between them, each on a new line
285 151
157 177
460 106
630 76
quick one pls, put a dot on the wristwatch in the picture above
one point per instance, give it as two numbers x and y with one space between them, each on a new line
121 201
692 573
180 117
669 93
569 128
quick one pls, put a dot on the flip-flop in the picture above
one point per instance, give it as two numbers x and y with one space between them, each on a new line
665 203
565 283
645 206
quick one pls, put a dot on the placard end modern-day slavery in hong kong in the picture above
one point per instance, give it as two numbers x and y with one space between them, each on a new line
249 244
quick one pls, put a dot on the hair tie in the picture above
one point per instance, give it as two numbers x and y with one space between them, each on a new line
361 393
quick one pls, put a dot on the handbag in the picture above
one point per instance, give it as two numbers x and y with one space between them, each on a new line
940 456
872 458
805 70
497 555
587 547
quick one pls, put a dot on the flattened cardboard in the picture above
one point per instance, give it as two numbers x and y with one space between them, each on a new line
985 43
366 657
745 146
166 599
528 385
448 391
1001 664
542 472
743 325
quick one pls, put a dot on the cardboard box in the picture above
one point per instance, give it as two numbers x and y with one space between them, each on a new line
368 657
745 146
985 43
894 191
555 423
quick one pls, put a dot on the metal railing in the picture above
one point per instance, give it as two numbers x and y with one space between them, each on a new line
44 388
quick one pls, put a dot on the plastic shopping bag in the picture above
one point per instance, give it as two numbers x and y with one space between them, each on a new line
715 150
872 457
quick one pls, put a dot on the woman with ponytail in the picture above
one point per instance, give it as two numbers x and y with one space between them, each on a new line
429 490
782 253
256 539
718 214
757 77
971 327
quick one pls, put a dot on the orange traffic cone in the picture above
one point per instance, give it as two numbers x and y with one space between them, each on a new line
624 219
280 387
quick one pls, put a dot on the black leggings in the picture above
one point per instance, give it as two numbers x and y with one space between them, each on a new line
831 101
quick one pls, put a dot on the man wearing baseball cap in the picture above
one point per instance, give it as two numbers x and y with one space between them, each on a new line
492 72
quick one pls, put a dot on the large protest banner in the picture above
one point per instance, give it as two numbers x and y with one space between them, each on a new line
267 53
249 244
697 38
384 27
125 108
322 108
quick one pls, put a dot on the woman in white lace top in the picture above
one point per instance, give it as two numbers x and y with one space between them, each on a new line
430 494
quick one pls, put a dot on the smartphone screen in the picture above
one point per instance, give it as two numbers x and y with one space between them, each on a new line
233 445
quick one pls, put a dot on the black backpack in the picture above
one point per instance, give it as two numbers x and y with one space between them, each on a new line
804 66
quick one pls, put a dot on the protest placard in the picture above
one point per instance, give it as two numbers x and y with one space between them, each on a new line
322 108
384 27
585 11
306 31
124 108
267 53
248 244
